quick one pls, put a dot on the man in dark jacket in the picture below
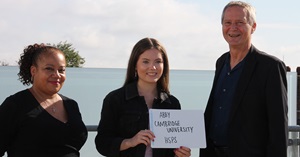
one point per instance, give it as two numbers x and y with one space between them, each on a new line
246 114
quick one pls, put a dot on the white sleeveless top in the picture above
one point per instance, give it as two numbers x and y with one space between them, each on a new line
148 152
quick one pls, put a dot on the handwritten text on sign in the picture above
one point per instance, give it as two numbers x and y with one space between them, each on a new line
175 128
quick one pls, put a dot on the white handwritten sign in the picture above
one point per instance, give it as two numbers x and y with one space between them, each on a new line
175 128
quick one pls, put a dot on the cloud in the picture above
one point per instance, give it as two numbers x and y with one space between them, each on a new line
104 32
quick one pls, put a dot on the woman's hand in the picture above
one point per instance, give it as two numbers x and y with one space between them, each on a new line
182 152
144 136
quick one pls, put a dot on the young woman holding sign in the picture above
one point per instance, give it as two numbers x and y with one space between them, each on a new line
123 128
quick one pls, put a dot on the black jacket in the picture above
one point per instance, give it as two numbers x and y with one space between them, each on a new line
258 119
124 114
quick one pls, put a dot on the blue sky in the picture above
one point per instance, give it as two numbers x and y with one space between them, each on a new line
104 32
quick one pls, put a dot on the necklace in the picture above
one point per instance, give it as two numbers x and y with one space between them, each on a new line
45 105
44 102
53 109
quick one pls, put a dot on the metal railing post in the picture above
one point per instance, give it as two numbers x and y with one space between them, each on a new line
293 148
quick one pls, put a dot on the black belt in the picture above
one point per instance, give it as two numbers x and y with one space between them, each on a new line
221 151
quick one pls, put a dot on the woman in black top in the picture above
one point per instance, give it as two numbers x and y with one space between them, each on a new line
39 122
123 128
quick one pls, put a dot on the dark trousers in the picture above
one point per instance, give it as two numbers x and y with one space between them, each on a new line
221 151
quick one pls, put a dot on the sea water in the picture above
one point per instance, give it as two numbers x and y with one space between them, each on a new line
88 86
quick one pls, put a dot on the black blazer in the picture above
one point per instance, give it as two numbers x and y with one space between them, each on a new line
124 113
258 124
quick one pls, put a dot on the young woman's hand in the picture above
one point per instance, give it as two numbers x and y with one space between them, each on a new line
182 152
144 136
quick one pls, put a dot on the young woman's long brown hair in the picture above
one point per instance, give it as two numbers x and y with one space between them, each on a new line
139 48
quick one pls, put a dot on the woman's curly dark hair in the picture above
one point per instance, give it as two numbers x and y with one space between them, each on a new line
28 58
